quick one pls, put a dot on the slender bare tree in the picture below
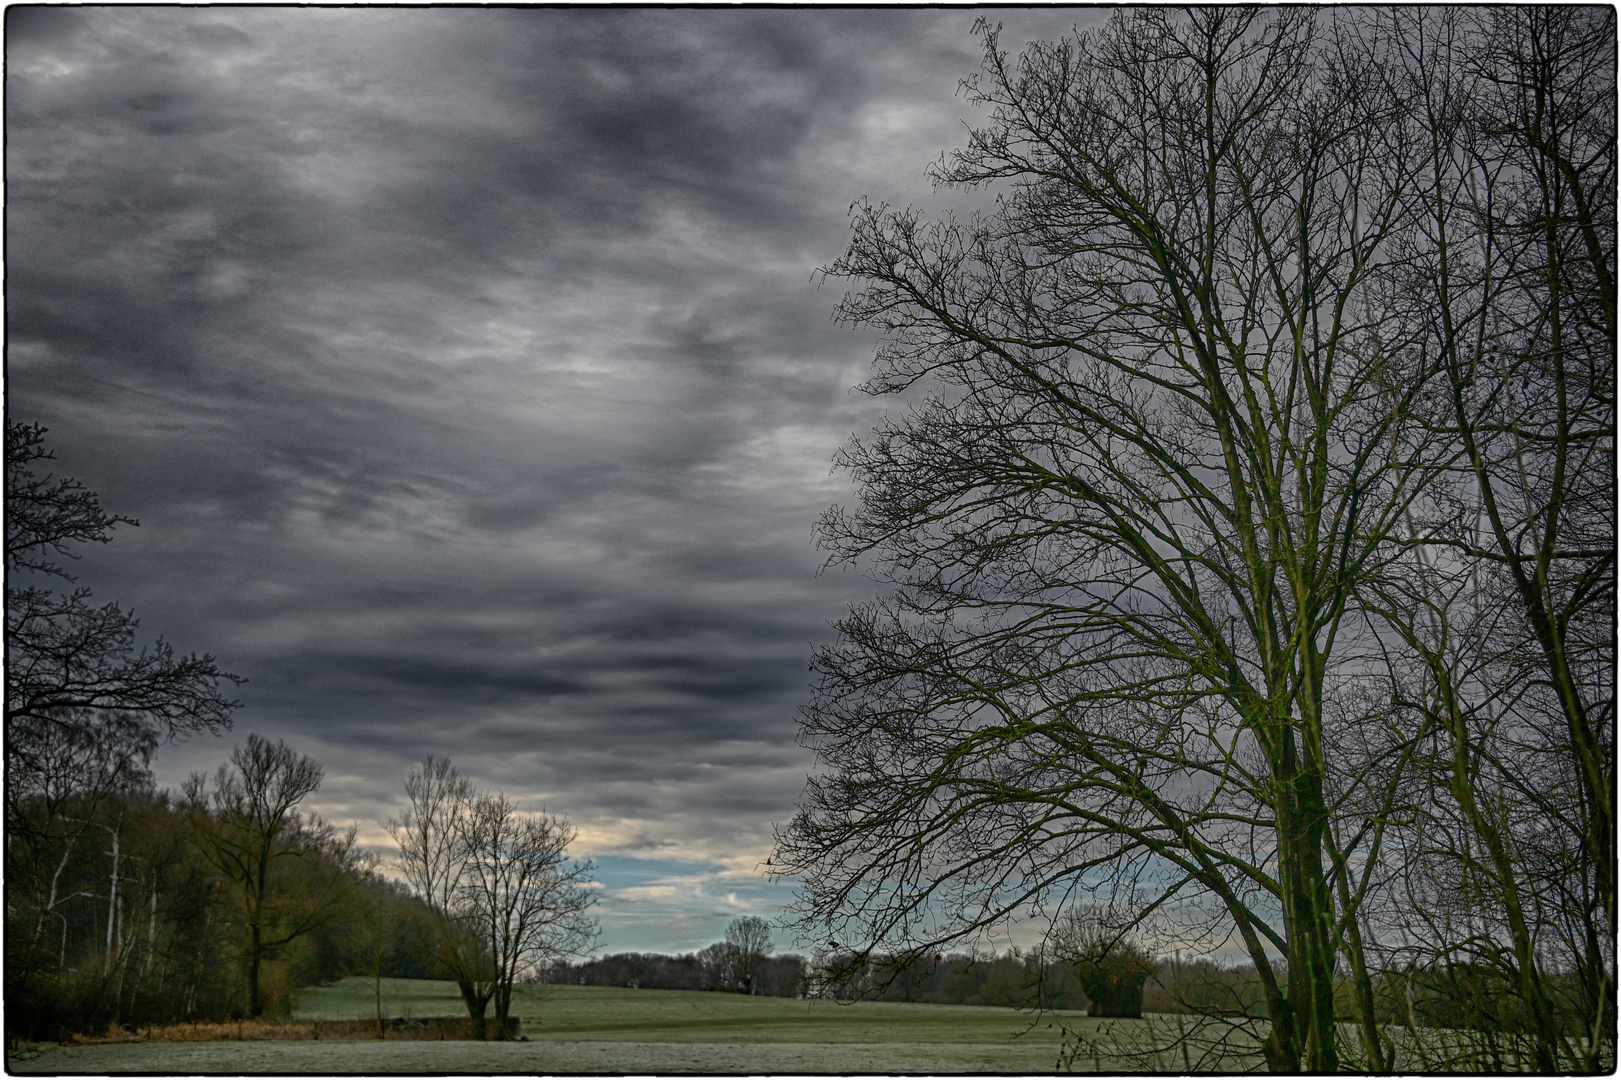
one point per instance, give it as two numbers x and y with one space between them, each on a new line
291 874
433 859
1505 605
505 896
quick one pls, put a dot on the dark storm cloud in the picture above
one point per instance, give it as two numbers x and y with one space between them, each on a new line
465 369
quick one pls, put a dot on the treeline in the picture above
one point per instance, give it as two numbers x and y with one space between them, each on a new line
122 906
1457 997
1013 980
740 963
778 976
1023 980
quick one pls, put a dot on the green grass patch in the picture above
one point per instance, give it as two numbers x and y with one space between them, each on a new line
591 1029
619 1014
902 1036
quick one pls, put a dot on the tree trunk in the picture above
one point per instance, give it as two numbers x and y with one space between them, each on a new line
254 952
476 1004
151 932
112 909
50 902
503 1008
1301 818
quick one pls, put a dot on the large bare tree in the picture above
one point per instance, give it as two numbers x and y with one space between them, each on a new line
1178 427
527 901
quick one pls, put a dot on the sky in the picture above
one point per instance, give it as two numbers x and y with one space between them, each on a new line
470 376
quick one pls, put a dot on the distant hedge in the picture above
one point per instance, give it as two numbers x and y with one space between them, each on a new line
778 976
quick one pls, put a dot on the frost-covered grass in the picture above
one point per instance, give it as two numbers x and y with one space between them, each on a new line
586 1029
562 1056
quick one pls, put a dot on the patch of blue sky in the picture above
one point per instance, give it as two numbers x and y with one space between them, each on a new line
678 905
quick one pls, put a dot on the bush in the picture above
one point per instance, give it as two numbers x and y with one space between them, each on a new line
1204 988
53 1006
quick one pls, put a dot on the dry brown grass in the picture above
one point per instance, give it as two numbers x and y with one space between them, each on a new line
433 1027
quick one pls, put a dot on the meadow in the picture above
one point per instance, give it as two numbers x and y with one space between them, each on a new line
586 1029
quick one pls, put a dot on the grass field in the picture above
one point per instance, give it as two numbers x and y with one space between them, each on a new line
601 1013
575 1029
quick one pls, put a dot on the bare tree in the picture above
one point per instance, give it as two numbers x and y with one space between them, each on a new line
1506 602
65 656
1250 531
716 965
1110 963
46 514
496 878
289 873
519 895
1153 452
432 859
748 939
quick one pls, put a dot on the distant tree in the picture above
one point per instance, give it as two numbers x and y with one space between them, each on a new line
1110 966
290 874
780 976
715 962
709 969
748 942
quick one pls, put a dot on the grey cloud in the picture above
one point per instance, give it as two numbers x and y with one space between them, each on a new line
465 369
35 25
